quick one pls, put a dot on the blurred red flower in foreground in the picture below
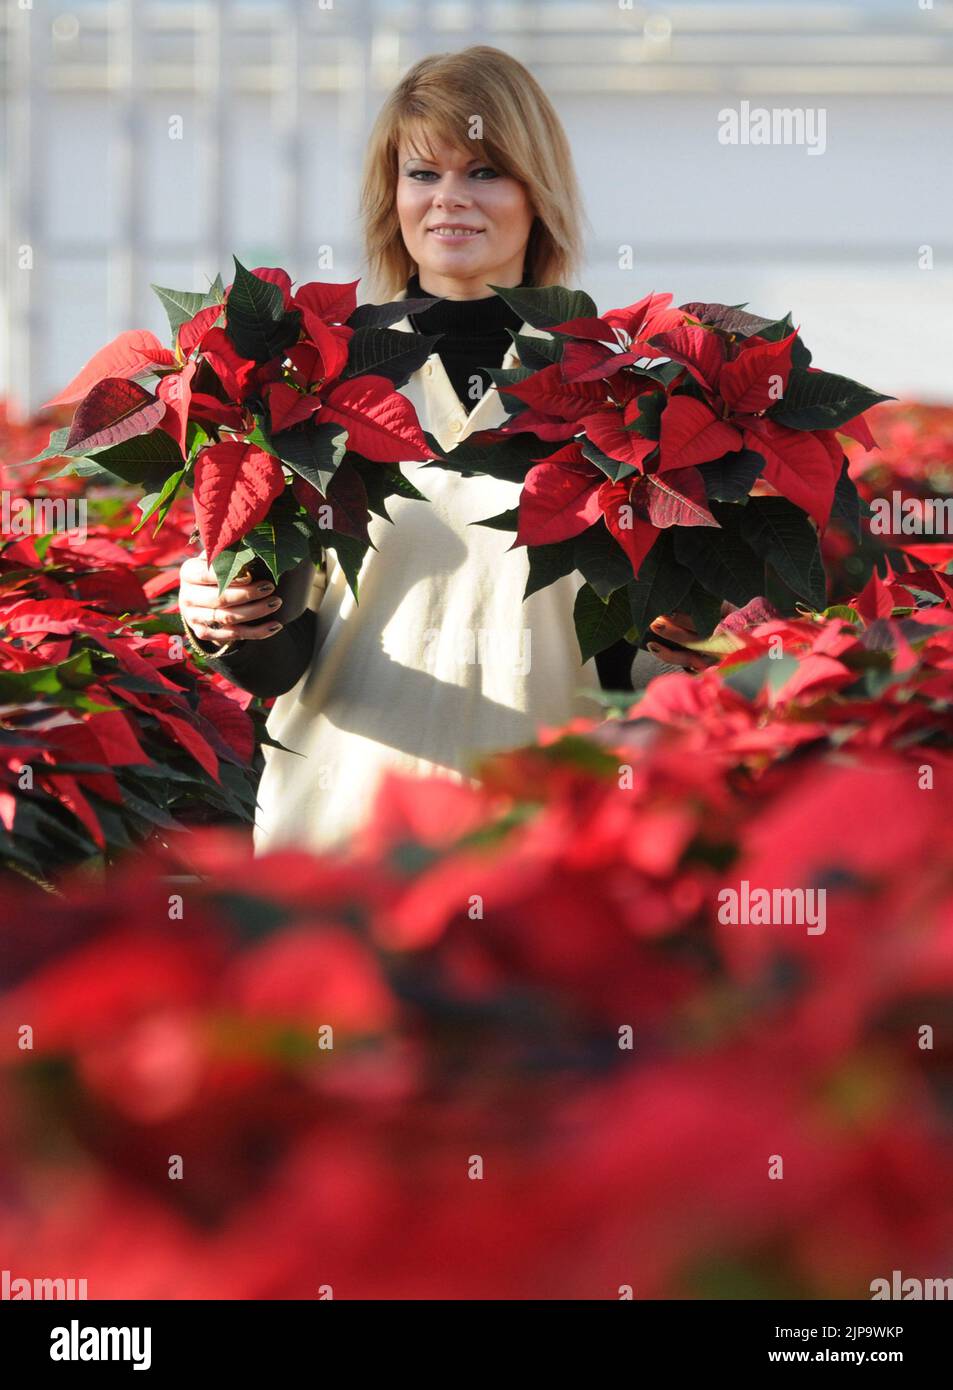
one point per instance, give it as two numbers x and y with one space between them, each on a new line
333 1046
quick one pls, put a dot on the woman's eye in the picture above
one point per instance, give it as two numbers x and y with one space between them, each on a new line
426 175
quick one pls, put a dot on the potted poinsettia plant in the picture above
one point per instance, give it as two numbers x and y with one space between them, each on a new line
676 457
278 408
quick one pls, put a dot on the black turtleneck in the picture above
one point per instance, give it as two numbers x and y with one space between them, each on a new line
474 336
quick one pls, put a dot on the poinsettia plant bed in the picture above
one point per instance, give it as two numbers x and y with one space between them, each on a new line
604 903
279 408
675 457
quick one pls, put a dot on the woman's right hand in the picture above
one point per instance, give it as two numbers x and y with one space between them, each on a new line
241 613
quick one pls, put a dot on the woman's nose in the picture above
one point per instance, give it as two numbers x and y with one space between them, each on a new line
450 193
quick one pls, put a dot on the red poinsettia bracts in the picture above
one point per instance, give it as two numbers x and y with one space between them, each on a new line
128 355
685 456
109 733
262 407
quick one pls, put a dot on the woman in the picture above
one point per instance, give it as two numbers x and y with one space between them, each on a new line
442 659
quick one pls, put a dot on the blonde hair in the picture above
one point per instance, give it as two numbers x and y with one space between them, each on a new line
522 137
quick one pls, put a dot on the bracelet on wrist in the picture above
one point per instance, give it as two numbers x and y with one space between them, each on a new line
225 649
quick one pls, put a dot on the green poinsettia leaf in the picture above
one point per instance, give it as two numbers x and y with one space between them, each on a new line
350 554
228 563
846 505
536 353
503 521
785 539
822 400
730 479
282 540
600 622
180 306
544 307
600 559
660 587
388 352
547 563
159 503
256 320
313 451
720 558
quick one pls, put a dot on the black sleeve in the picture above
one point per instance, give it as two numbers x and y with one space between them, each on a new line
614 664
273 665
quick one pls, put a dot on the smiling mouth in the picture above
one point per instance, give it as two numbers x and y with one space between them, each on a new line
454 233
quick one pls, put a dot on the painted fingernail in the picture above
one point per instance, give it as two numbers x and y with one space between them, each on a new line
273 628
275 603
265 589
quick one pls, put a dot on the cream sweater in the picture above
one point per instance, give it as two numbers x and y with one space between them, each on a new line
440 661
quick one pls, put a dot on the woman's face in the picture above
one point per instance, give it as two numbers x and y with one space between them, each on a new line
465 224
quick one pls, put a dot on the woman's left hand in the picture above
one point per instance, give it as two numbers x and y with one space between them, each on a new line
678 627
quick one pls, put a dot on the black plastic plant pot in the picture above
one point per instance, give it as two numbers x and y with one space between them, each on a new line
293 587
